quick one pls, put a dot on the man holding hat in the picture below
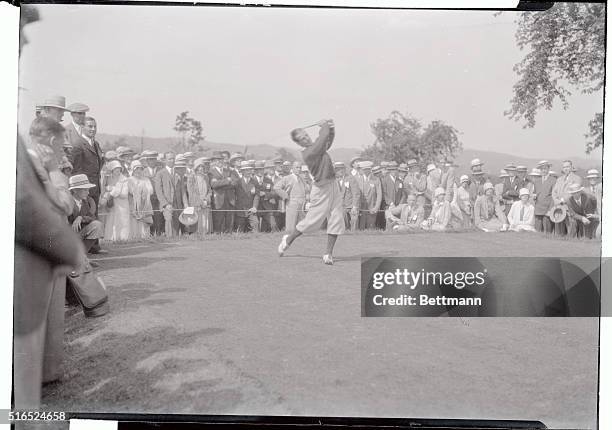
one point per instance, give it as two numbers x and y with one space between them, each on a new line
351 196
83 218
543 186
292 189
582 208
560 195
325 198
74 130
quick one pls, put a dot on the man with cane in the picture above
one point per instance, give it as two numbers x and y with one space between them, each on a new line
325 195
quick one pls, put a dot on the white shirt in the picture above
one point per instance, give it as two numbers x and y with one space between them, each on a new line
78 128
169 169
88 140
78 203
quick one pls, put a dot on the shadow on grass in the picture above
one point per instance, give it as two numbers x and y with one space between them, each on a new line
108 375
131 262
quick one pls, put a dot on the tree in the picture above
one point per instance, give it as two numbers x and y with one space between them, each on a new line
285 154
565 49
190 132
402 137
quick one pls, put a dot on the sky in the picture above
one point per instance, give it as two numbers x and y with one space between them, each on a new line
253 74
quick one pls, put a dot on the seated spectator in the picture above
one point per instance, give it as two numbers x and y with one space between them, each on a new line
488 213
582 207
440 212
407 216
522 213
83 217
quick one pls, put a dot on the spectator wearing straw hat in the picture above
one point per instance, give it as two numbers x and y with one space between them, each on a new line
83 218
247 199
163 183
354 163
141 209
440 215
292 189
125 155
74 130
582 208
499 187
543 187
351 195
371 197
53 107
512 186
181 199
560 195
488 213
531 180
521 216
199 194
594 188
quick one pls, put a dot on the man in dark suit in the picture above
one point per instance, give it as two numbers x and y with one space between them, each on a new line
268 199
351 196
512 185
87 157
83 218
582 207
164 190
543 186
247 199
224 197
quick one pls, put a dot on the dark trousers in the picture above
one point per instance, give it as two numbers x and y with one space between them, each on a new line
381 222
223 219
367 221
587 231
158 226
543 224
267 221
247 223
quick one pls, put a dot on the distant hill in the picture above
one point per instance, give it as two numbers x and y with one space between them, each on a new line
494 161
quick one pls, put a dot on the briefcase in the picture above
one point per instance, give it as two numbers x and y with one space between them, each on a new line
89 291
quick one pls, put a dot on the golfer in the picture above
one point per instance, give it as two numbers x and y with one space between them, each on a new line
325 195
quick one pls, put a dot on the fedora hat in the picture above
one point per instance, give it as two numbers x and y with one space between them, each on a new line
574 188
592 174
476 162
188 217
216 155
79 182
557 213
225 154
78 108
54 101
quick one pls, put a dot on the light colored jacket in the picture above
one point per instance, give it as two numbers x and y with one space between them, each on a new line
514 216
559 191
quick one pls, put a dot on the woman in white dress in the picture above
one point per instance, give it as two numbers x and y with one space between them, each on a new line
141 210
117 191
521 216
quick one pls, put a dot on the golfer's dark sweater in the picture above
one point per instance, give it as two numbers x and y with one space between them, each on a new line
316 157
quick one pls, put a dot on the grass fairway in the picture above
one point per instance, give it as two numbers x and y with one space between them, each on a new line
224 326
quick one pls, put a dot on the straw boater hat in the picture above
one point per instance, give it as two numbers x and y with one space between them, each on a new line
535 172
79 182
439 191
149 154
476 162
592 174
355 159
78 108
431 167
199 162
366 165
557 213
54 101
503 173
544 163
188 217
114 164
339 165
574 188
510 167
246 165
521 168
464 178
124 150
412 162
524 191
403 167
376 169
287 163
392 165
189 155
268 164
180 161
259 165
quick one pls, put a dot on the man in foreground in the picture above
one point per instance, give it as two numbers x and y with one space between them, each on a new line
325 196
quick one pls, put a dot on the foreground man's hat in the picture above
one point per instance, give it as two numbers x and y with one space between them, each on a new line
557 213
55 101
79 182
78 108
574 188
